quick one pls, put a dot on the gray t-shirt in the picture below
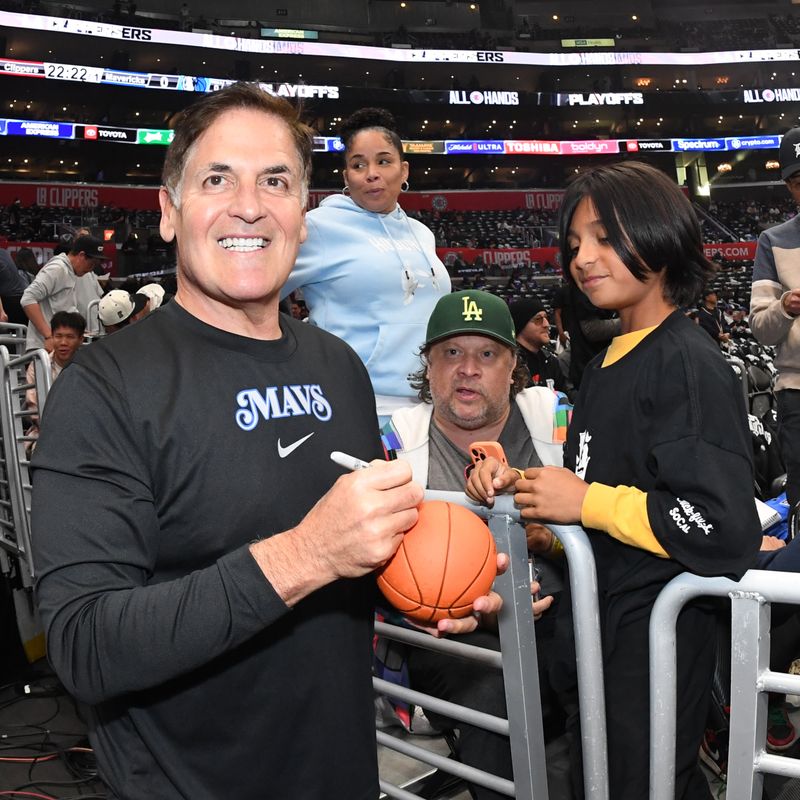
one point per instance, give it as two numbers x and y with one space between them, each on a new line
446 462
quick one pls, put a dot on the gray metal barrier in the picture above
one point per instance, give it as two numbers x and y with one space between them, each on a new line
519 665
15 482
93 326
751 678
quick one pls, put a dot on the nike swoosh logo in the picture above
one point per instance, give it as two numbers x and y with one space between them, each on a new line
289 449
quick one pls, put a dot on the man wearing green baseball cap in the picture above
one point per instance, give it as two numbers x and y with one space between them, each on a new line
472 389
471 312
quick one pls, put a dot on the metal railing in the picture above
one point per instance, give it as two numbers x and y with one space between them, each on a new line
518 661
15 482
751 678
93 326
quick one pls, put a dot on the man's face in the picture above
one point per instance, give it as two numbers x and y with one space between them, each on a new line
82 265
536 333
710 301
793 185
66 342
470 380
241 218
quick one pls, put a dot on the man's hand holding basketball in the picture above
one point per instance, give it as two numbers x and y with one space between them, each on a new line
484 610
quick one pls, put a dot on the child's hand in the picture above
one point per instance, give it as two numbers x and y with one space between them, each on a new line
553 494
488 478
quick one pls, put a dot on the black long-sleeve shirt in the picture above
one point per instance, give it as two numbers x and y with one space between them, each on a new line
165 450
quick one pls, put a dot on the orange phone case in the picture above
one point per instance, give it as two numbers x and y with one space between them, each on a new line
480 451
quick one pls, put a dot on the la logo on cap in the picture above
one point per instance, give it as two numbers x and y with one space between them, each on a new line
797 149
471 311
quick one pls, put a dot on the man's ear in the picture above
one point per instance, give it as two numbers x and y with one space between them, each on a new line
166 225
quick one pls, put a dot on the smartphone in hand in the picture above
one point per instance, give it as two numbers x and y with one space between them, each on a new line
480 451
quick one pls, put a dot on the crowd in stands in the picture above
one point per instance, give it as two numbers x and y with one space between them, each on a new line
786 27
474 39
492 229
743 220
720 34
143 250
35 223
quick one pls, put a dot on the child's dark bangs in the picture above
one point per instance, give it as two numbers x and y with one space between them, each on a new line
618 214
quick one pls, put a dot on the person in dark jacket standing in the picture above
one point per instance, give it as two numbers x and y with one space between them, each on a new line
532 327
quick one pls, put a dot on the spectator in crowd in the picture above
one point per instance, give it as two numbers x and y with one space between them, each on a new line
12 285
740 325
168 577
119 308
711 319
658 457
68 328
28 266
154 292
774 309
472 389
185 15
369 273
296 310
15 214
533 337
53 288
87 287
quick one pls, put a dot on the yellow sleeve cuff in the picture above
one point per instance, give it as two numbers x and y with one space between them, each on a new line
621 511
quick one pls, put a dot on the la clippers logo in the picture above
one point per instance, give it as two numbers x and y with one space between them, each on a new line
277 402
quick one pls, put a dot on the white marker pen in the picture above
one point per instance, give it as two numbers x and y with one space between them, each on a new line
348 462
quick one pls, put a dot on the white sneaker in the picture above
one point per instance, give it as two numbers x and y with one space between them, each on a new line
421 725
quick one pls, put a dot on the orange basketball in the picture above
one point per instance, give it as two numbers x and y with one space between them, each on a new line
445 561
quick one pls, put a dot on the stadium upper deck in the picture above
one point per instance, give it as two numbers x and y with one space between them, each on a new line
515 76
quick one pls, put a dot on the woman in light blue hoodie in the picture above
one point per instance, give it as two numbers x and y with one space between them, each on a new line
368 272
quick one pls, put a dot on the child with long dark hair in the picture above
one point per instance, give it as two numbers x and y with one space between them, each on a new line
658 459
